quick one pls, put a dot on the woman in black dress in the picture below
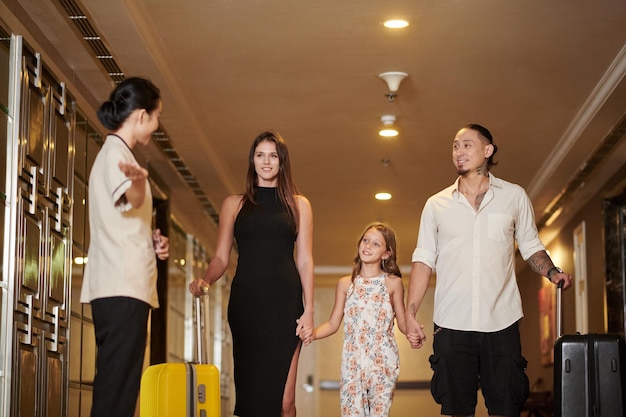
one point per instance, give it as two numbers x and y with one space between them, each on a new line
266 311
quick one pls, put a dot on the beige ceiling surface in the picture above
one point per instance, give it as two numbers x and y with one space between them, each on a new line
546 77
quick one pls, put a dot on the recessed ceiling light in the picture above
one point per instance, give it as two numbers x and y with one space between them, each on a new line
383 196
396 24
388 133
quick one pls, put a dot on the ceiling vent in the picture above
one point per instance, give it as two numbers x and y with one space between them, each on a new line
102 54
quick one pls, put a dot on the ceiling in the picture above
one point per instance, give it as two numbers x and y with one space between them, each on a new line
546 77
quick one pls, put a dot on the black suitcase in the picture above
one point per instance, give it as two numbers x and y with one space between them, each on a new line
589 373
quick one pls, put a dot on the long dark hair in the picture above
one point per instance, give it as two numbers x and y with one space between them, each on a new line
485 134
129 95
389 265
286 186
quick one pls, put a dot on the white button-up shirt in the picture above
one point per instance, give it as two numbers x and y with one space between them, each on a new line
473 254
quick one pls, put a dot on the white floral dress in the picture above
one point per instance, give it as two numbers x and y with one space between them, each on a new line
370 361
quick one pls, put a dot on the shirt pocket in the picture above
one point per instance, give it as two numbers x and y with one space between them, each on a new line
500 227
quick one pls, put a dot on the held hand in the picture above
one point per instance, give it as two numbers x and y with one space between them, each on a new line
199 287
161 245
306 334
415 332
133 171
305 321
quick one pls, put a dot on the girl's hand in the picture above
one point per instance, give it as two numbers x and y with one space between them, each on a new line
415 332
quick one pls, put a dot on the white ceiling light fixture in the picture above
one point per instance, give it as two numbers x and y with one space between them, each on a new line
393 80
388 131
395 23
382 196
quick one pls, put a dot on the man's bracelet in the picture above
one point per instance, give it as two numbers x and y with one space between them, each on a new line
554 269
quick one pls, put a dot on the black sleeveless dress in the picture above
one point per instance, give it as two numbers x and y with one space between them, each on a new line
265 301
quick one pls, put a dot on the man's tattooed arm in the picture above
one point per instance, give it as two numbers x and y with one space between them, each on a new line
540 262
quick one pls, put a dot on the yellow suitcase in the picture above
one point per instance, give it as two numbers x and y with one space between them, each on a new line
181 389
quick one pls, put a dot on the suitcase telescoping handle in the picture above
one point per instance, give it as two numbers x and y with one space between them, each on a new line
199 300
559 309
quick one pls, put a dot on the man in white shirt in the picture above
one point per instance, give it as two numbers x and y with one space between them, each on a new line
467 235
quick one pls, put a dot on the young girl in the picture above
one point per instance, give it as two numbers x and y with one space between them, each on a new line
369 299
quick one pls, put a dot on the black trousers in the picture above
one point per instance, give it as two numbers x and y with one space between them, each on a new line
121 331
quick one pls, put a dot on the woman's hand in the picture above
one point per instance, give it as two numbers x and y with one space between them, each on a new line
133 171
306 334
305 321
199 287
161 245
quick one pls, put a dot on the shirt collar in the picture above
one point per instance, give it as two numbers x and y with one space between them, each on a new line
493 182
121 140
